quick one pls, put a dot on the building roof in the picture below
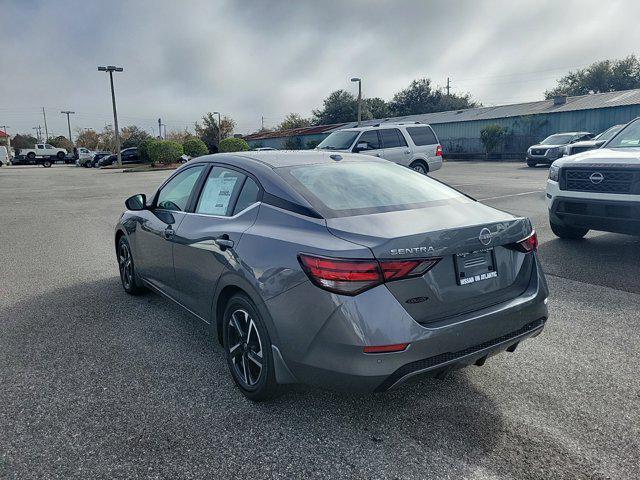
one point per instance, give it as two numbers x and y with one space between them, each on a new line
580 102
3 134
294 131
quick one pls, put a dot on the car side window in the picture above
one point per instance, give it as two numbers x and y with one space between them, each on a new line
48 147
175 194
220 187
248 195
391 138
370 137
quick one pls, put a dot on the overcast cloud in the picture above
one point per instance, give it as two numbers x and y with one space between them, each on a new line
248 59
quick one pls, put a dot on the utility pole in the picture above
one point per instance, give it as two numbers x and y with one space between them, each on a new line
46 130
359 98
111 69
448 85
159 128
67 113
220 128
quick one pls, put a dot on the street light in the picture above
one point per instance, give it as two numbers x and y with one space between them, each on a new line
219 133
111 69
67 113
359 98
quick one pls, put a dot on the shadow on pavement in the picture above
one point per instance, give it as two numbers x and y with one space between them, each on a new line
98 383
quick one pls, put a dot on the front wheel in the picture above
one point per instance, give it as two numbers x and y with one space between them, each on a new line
566 232
127 268
248 350
46 163
420 167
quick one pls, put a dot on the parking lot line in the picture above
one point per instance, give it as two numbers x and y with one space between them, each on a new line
512 195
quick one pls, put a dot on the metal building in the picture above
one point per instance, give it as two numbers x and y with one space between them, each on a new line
525 123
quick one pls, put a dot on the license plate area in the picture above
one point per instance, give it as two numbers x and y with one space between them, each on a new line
476 266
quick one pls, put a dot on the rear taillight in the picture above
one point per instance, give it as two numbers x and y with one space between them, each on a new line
528 244
439 151
351 277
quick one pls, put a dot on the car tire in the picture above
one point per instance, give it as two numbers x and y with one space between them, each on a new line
46 163
126 266
567 233
248 350
532 163
419 166
60 155
31 155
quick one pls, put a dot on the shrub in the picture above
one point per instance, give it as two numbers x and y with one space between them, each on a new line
492 136
233 145
293 143
194 147
165 152
144 149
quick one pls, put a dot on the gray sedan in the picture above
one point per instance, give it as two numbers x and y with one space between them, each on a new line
337 270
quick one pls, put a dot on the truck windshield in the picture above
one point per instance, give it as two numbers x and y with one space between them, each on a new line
557 139
628 137
338 141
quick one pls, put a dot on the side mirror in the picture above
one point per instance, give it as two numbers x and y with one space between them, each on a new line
136 202
361 146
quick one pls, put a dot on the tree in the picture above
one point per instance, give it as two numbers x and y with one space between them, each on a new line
339 107
492 136
132 136
194 147
377 107
87 138
23 141
420 97
180 136
106 139
61 142
208 131
233 145
293 120
165 152
602 76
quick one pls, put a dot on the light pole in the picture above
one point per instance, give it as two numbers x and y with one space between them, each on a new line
67 113
219 130
112 69
359 98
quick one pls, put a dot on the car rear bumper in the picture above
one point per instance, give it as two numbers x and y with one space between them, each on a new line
334 357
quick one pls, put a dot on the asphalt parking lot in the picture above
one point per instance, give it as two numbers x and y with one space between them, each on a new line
95 383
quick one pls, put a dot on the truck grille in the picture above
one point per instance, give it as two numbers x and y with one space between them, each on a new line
538 151
601 180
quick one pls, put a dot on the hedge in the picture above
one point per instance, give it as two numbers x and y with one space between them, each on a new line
233 145
194 147
165 151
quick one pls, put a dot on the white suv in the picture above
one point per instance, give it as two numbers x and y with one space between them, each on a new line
597 189
413 145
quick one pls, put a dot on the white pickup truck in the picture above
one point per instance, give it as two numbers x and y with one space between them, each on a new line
43 150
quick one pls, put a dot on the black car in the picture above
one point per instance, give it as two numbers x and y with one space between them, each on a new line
129 155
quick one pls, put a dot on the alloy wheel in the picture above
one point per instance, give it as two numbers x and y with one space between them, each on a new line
418 167
245 348
126 265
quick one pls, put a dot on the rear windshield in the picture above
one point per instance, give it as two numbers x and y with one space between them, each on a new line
422 135
361 188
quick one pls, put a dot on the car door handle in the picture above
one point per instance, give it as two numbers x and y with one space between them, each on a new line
168 233
223 242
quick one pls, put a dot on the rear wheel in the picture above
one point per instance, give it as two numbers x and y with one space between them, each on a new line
127 268
60 155
420 167
248 349
31 155
566 232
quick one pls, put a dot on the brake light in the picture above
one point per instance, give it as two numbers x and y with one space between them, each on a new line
351 277
439 151
528 244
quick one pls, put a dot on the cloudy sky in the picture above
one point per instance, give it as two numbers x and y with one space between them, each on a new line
249 59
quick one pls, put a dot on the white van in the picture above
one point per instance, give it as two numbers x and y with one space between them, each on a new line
4 155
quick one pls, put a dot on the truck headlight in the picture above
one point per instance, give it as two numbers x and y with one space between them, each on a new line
554 173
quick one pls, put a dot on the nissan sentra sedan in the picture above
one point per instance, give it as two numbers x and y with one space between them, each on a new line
337 270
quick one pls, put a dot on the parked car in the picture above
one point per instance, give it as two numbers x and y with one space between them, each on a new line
412 145
597 141
341 270
552 147
597 189
5 158
97 156
129 155
43 150
85 157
